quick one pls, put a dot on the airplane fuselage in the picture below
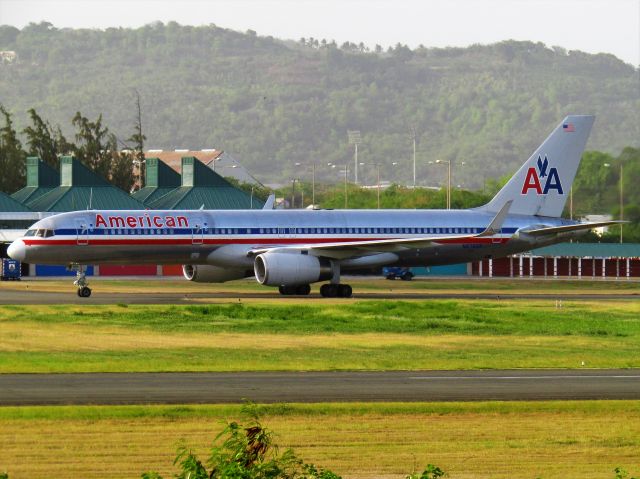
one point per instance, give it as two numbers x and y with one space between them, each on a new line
194 237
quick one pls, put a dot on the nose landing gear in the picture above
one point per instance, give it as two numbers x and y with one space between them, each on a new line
81 281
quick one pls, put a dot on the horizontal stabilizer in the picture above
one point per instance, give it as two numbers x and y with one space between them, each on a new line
569 228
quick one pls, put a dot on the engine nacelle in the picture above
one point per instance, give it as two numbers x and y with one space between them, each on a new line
290 269
212 274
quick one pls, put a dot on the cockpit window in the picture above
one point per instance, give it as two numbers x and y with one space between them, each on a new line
48 233
40 233
30 233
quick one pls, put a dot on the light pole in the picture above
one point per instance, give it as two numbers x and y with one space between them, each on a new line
448 163
355 139
293 193
621 200
413 131
313 183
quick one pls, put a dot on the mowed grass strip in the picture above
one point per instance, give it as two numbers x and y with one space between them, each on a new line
364 284
479 440
366 335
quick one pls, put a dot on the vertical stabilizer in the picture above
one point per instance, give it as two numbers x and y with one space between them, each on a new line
541 186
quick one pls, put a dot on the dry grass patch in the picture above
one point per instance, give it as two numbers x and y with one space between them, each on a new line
539 441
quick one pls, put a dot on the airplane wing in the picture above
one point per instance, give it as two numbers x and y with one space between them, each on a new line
342 250
570 228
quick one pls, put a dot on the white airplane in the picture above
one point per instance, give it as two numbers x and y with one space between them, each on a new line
291 249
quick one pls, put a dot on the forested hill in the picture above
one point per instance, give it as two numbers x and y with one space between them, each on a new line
272 103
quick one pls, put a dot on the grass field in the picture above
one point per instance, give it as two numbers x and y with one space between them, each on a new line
468 440
360 284
432 334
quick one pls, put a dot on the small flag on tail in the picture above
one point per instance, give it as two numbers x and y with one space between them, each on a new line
568 127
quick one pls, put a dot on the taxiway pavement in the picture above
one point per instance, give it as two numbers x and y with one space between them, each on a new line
180 388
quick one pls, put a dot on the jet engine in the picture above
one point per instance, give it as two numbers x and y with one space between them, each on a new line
278 269
212 274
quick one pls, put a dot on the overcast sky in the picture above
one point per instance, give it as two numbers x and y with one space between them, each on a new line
611 26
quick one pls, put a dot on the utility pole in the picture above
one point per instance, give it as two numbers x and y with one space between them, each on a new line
413 130
355 139
346 172
449 186
378 171
621 201
313 185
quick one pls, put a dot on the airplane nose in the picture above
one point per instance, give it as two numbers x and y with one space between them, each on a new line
17 250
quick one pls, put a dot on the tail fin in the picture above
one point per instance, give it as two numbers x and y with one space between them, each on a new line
541 186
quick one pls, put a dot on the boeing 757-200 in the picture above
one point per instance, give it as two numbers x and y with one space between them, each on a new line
291 249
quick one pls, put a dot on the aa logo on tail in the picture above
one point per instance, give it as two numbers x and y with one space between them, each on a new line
544 174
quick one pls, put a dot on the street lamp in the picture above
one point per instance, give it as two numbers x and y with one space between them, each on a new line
313 183
621 200
293 192
448 163
355 139
413 131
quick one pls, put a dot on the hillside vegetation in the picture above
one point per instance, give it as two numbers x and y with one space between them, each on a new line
273 103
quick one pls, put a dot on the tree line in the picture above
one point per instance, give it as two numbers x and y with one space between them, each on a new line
94 145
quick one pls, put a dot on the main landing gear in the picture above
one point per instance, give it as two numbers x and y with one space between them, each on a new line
84 291
331 290
336 290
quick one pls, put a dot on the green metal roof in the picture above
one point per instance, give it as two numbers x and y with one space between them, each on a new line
72 198
8 204
202 187
590 250
41 178
211 198
149 194
160 179
81 189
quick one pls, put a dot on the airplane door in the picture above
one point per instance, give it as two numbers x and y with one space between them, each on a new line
82 232
197 234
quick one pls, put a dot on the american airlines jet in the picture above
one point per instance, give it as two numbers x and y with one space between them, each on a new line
291 249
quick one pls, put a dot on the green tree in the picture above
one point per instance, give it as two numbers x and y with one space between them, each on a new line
12 156
137 140
121 169
94 144
45 141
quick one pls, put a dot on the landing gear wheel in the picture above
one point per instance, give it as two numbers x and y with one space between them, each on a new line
303 289
84 292
344 291
329 290
81 281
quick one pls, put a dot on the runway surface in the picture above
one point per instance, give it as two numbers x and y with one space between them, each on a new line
174 388
98 297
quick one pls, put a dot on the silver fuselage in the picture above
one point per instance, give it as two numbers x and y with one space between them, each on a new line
224 237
